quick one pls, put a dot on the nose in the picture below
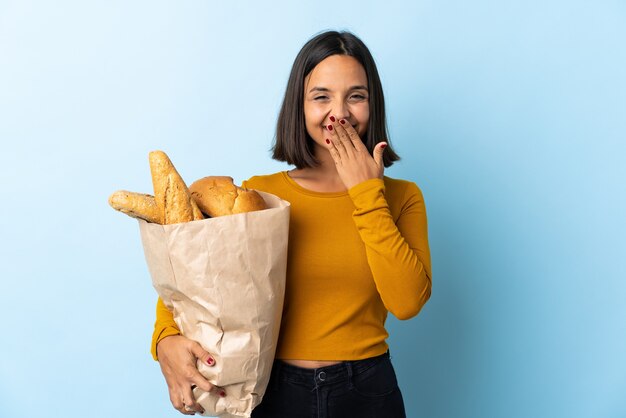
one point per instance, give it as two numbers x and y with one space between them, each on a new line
340 111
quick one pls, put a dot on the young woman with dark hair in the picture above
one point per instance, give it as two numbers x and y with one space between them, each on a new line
358 248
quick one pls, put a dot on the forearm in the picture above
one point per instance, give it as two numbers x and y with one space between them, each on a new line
164 326
397 254
401 278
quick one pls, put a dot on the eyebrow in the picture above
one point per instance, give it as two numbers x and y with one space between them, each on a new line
360 87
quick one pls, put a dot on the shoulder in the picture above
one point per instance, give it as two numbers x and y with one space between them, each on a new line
264 182
400 191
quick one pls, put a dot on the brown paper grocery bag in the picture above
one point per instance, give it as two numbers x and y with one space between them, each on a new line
224 280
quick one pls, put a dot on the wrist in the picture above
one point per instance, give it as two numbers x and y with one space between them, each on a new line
156 347
366 184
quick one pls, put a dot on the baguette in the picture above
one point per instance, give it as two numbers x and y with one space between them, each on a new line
219 196
137 205
171 195
174 203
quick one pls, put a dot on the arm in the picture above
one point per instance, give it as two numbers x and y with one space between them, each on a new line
164 326
398 253
178 358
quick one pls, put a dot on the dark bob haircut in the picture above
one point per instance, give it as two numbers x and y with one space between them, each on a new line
293 144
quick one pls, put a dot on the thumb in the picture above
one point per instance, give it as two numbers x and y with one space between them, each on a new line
378 153
201 354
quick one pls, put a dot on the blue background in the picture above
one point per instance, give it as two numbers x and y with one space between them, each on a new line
510 115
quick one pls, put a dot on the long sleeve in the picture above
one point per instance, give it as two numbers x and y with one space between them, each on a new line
353 257
397 252
164 326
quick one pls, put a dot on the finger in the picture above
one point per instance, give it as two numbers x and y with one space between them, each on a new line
193 375
220 391
356 140
201 382
341 132
379 150
334 153
334 137
338 143
343 136
201 354
178 403
189 401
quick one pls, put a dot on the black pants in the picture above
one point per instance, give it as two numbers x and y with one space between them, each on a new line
363 388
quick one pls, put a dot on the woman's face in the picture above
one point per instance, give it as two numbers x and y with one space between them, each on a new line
337 86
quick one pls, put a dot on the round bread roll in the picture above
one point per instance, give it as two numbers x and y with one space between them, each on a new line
219 196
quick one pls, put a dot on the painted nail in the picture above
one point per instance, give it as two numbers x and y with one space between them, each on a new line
342 121
210 361
328 141
330 127
332 119
383 146
222 393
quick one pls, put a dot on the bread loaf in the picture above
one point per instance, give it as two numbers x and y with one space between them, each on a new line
174 203
137 205
219 196
170 191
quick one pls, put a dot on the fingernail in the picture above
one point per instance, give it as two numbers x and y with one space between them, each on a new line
330 127
210 361
332 119
342 121
383 146
222 393
328 141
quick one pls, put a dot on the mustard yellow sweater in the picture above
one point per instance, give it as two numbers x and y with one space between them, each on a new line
353 256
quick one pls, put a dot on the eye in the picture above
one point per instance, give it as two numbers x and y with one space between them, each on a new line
358 97
319 98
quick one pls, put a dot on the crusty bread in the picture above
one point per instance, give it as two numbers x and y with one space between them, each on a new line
137 205
171 195
174 203
219 196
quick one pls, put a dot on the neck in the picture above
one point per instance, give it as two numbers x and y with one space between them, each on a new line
322 178
327 169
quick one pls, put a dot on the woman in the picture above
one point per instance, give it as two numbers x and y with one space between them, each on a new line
358 248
